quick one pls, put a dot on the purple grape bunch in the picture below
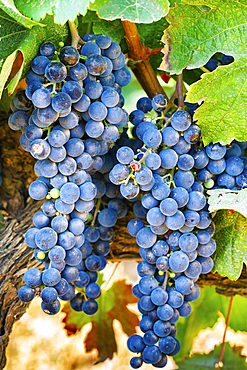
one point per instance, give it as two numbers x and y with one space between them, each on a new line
165 174
70 115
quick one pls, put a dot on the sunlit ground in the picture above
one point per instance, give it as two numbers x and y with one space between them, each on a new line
38 341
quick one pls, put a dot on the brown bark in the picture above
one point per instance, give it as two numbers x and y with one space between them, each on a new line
15 256
17 170
15 259
139 56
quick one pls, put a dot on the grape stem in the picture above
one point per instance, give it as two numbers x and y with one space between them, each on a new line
48 84
170 175
169 106
150 52
74 35
139 53
165 281
179 89
148 151
53 90
130 176
167 121
204 69
96 211
48 129
219 362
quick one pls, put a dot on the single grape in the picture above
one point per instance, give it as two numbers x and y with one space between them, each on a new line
56 72
69 56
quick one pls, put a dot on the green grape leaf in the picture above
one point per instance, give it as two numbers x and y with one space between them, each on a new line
11 34
138 11
63 10
6 69
198 30
16 39
222 116
84 23
228 199
35 9
232 359
150 35
231 239
200 318
90 16
5 103
174 2
205 313
191 75
113 29
238 319
112 305
9 7
194 34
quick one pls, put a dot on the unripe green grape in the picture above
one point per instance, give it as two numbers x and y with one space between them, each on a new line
55 193
41 255
209 184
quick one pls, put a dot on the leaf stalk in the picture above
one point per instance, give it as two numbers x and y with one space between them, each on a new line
179 89
219 362
74 35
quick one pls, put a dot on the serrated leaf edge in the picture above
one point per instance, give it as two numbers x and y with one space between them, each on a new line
6 69
13 12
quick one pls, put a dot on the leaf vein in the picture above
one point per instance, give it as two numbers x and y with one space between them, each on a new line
12 34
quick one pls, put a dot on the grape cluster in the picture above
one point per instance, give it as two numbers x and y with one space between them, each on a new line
221 166
166 180
69 97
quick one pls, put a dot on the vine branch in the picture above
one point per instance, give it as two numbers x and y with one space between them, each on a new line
74 35
150 52
140 54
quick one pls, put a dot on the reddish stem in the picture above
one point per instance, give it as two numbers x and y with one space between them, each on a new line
179 89
140 54
150 52
170 103
224 335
